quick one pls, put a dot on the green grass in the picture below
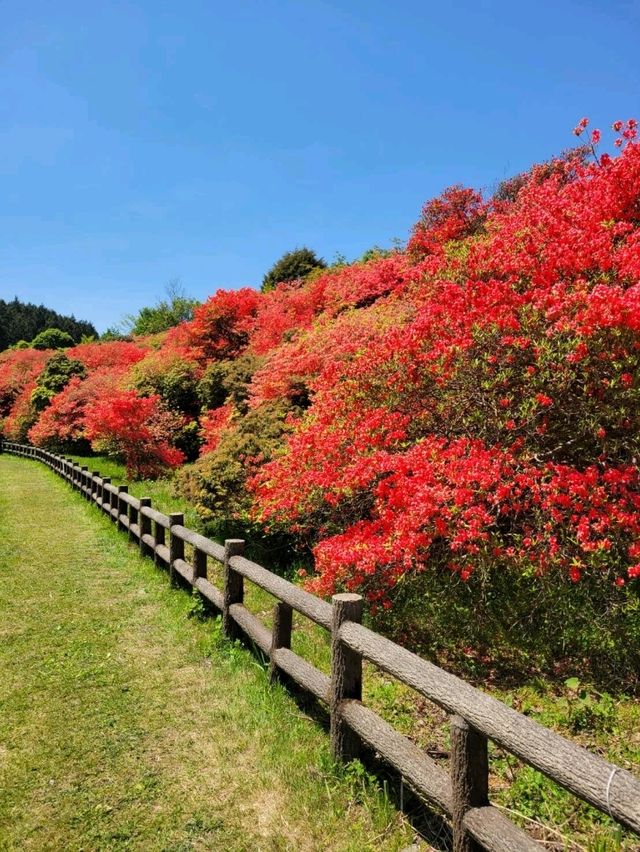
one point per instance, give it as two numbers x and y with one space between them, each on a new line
607 723
126 723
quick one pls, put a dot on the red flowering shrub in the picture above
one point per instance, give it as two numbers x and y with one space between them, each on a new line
22 414
136 429
212 426
459 212
496 425
18 367
221 326
112 353
291 369
61 426
466 411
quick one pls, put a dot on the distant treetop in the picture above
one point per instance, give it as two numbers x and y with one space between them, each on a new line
291 266
165 314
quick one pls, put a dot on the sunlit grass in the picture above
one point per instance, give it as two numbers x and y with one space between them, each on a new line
607 724
126 723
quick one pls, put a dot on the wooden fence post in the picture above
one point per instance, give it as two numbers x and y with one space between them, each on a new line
95 476
199 564
134 518
176 545
280 634
145 526
346 677
233 587
469 779
160 538
104 493
121 506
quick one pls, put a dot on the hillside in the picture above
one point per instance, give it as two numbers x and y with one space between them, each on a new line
457 420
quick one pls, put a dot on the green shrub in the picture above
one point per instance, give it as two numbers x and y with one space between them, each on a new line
174 379
52 338
55 377
216 483
228 381
292 266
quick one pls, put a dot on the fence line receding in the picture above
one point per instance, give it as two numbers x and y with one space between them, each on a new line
476 717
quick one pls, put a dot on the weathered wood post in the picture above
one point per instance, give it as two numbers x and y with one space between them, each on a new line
176 545
160 538
346 677
133 519
84 481
145 526
199 564
469 779
105 494
280 634
95 486
233 587
121 506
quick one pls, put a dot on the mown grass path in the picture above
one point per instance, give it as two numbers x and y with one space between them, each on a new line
126 724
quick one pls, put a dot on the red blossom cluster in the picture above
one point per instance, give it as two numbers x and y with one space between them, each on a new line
135 428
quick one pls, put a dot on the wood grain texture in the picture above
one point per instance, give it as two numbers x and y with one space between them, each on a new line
346 677
469 779
211 548
210 592
233 587
280 634
252 626
573 767
303 673
304 602
492 830
423 774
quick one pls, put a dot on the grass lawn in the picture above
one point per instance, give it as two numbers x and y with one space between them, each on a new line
607 724
127 723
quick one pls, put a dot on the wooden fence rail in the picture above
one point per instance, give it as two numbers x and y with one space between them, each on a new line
461 793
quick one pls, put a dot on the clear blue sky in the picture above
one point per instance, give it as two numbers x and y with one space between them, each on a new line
143 141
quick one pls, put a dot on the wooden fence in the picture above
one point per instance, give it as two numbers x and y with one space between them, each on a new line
462 793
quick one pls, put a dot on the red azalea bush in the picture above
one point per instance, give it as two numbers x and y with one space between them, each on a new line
22 414
18 368
213 424
118 354
136 429
498 425
220 327
61 426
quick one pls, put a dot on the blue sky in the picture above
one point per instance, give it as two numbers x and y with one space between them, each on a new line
146 141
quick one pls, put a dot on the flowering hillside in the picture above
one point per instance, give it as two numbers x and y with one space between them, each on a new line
472 402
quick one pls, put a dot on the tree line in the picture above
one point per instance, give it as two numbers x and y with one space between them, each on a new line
23 321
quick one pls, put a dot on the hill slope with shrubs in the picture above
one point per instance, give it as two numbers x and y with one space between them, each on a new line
458 419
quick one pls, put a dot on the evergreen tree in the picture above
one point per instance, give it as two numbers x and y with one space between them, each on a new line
291 266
